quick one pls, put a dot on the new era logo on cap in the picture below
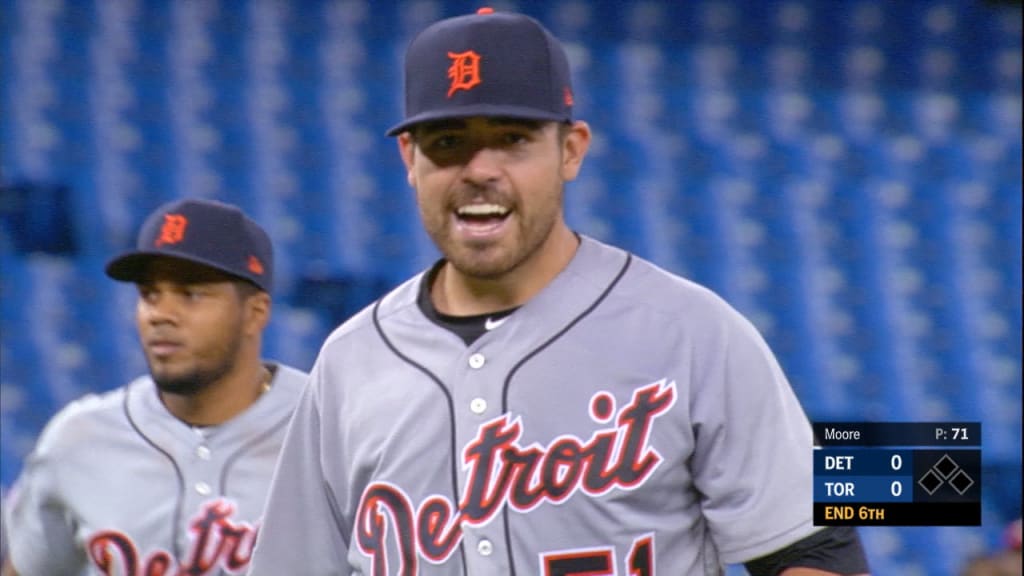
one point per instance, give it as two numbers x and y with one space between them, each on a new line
486 64
206 232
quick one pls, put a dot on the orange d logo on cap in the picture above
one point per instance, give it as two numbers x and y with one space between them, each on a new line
172 231
464 71
491 64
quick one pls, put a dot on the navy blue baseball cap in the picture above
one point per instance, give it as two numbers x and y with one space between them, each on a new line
486 64
206 232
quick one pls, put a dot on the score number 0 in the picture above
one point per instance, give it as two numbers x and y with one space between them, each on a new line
896 463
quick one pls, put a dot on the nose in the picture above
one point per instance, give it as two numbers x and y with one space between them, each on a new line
483 166
157 309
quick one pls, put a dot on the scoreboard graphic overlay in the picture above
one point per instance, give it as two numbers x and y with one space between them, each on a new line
897 473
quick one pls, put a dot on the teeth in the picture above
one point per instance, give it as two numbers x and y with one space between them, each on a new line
483 210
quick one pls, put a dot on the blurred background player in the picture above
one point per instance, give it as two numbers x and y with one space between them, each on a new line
168 473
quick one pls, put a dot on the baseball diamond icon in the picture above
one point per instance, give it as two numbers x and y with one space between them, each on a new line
961 482
945 470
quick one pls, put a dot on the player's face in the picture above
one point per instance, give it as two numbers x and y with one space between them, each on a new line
490 189
191 320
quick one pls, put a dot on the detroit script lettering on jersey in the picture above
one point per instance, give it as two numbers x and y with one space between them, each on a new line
218 543
501 473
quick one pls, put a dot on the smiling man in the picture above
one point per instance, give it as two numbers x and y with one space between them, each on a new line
537 402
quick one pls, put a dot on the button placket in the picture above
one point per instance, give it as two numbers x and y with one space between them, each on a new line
203 489
202 468
478 406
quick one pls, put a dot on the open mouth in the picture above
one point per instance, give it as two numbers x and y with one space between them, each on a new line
482 218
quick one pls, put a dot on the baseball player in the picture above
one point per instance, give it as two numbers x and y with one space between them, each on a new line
537 402
168 474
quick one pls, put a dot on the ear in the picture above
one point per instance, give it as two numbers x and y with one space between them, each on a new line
407 149
257 307
574 149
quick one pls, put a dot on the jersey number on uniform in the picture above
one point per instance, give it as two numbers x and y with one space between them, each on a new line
600 561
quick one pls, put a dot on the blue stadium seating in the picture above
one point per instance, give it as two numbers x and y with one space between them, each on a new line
846 174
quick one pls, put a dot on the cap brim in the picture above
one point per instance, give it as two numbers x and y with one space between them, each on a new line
472 110
131 267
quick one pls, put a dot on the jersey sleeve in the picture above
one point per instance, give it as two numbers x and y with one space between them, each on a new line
753 459
40 525
300 533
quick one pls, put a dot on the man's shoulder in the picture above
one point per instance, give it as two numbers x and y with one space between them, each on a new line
639 269
96 405
650 283
398 300
82 419
669 298
290 379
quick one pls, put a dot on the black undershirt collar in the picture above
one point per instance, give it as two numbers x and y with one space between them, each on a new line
469 328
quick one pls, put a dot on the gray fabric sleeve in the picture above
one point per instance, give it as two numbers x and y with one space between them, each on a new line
300 533
41 531
753 452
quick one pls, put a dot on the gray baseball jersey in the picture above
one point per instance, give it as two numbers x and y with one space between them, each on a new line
623 421
118 485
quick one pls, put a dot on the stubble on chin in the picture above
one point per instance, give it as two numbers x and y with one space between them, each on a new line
187 383
188 386
484 263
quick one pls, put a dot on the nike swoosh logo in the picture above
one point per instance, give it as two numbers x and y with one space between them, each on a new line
491 323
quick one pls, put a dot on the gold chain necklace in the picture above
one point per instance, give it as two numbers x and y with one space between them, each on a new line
265 379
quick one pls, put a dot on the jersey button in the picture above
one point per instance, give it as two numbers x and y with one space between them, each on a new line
478 405
203 488
477 361
203 453
484 547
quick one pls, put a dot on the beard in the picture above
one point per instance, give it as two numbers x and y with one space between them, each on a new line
492 262
191 383
488 260
200 376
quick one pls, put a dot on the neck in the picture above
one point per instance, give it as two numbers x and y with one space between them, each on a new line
222 400
457 294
